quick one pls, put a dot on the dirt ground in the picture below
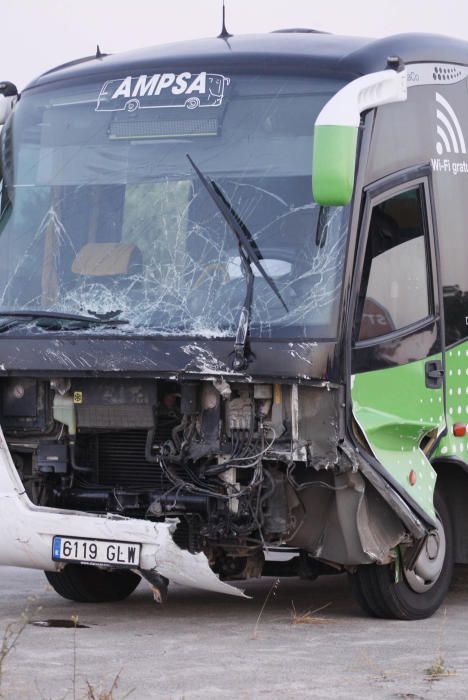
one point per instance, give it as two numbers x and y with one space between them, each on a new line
309 641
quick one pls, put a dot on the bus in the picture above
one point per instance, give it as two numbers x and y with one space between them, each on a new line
231 333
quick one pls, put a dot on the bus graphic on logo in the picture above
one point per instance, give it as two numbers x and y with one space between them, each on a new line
162 90
448 129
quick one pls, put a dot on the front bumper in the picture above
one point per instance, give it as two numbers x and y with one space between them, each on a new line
27 531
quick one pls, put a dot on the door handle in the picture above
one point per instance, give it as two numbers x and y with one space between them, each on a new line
434 374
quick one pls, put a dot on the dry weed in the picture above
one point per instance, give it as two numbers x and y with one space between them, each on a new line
13 632
309 617
270 593
438 669
93 693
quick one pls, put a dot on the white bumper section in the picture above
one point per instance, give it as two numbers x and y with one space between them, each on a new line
26 533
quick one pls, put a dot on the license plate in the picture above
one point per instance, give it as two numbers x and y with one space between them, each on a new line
88 551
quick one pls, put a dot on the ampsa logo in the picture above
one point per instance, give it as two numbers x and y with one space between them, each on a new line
449 131
162 90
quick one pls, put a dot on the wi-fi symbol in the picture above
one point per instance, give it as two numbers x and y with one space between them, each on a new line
448 129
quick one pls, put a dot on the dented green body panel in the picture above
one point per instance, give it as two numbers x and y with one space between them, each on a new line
407 411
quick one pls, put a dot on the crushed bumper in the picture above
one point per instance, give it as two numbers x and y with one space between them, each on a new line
28 530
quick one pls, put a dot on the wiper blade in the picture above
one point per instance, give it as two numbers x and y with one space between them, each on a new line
243 325
238 227
35 315
249 255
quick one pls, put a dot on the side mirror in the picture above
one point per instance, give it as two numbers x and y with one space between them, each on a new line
336 132
8 98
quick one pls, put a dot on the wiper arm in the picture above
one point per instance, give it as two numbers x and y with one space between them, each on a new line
59 315
237 226
243 325
249 256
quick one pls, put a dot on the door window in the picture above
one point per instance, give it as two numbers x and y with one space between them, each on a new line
394 289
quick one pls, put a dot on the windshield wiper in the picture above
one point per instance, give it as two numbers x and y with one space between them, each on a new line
26 316
250 254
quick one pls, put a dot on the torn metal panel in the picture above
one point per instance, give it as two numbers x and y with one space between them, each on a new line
315 425
342 519
380 530
376 476
179 566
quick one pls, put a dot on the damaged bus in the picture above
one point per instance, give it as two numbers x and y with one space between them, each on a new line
234 331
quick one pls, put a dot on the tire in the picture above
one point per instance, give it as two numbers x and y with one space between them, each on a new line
88 584
413 597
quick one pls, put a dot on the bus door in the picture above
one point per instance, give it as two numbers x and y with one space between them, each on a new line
397 359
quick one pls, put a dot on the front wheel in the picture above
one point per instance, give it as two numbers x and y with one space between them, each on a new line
419 592
89 584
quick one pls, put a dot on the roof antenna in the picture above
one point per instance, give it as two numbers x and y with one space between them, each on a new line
99 54
224 32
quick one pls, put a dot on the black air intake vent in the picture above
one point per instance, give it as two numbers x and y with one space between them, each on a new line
112 404
114 417
121 460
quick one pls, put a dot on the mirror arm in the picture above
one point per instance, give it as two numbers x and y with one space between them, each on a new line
8 99
336 131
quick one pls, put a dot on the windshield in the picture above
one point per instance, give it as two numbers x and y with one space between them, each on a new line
102 212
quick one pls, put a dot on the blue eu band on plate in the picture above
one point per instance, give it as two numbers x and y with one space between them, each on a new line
95 551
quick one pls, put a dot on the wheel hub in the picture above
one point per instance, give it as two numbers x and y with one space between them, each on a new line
432 546
429 562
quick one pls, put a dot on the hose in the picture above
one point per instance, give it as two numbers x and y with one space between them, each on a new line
73 463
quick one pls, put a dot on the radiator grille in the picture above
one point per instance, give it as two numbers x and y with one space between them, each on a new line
121 460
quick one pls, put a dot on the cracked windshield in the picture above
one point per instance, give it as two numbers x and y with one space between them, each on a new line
107 212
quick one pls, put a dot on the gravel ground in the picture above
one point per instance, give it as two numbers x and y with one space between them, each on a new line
201 645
